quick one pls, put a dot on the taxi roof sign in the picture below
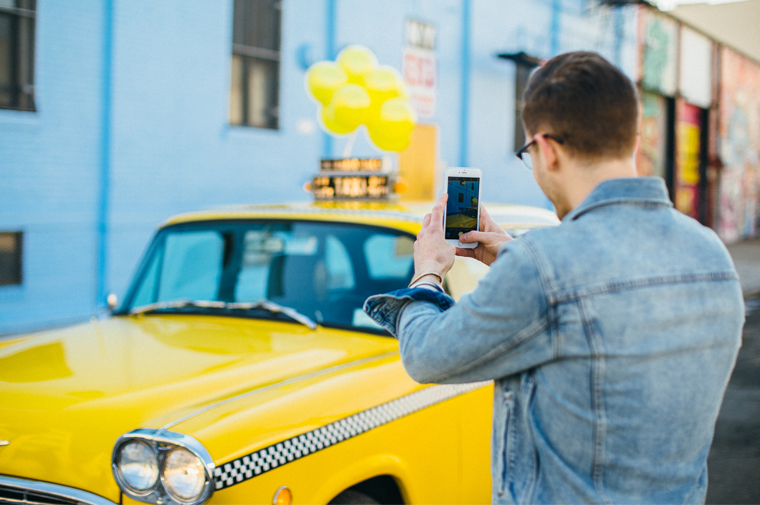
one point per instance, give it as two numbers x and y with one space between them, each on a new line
354 179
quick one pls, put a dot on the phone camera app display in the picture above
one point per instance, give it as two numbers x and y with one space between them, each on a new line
462 206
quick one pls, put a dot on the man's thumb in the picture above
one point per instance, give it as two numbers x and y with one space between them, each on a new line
473 236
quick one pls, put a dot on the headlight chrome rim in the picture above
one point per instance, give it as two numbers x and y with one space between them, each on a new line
164 442
120 475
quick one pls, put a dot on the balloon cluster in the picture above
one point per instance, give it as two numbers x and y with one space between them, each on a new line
354 90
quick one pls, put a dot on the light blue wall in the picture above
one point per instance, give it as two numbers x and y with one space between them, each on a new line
172 150
49 163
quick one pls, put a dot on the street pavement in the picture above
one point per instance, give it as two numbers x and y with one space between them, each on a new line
734 462
746 255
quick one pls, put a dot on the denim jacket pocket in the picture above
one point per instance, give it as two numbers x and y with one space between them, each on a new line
504 443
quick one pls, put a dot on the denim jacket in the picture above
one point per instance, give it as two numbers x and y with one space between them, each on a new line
610 338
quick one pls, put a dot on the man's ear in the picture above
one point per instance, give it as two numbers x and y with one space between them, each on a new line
549 152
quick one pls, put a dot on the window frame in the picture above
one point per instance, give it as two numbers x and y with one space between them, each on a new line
22 86
249 55
524 66
18 279
522 77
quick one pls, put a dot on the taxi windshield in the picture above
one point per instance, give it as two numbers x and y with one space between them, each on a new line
323 270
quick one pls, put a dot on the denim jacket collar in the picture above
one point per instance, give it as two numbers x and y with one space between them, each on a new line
645 190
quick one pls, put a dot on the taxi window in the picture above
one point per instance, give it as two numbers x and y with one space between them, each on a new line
197 266
145 293
389 256
193 273
258 247
253 283
323 270
340 271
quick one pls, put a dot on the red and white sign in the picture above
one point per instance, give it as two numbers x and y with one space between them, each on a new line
420 74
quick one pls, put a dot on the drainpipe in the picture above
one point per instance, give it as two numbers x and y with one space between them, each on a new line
464 113
619 32
327 140
554 40
105 156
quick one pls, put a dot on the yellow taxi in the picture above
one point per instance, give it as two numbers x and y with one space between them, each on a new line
240 368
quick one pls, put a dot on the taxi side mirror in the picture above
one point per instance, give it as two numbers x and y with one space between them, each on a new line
111 301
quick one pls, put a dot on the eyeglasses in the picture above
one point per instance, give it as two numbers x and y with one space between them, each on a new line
524 155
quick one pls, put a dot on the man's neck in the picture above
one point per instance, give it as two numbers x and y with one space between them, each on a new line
581 179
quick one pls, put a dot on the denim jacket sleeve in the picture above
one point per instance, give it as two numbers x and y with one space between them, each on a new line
498 330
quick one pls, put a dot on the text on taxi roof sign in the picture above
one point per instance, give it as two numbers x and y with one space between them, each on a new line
352 179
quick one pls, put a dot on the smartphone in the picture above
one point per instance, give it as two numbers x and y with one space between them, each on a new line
462 212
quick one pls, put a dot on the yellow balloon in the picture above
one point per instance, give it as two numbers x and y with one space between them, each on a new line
356 61
323 78
372 115
383 83
350 104
397 143
327 118
396 119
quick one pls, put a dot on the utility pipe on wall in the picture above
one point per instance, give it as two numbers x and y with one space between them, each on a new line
327 140
465 103
105 157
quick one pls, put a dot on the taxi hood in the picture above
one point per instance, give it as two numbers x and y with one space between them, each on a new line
67 395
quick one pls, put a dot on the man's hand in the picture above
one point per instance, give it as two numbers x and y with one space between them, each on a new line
490 237
431 252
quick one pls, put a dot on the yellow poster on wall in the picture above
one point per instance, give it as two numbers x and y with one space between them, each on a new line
687 179
417 164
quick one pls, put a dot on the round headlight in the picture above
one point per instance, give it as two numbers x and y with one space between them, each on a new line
138 466
184 474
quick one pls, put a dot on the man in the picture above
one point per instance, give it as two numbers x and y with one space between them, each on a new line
610 337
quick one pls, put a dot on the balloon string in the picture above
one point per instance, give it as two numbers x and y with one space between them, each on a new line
349 145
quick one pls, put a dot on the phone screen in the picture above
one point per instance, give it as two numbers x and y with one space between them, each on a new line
462 206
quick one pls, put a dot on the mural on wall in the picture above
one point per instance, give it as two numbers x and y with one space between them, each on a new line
658 39
686 180
739 146
650 157
659 36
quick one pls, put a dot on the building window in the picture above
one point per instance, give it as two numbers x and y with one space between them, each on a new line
10 258
522 75
461 198
254 93
17 54
524 65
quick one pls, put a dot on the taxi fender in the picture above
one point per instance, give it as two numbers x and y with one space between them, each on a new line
364 469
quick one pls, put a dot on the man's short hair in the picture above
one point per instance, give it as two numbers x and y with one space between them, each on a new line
585 100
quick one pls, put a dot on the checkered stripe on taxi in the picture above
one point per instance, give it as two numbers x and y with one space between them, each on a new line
282 453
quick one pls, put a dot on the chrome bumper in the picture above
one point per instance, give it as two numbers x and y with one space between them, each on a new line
15 491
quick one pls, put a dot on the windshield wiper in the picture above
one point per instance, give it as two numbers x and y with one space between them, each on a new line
274 308
265 305
177 304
